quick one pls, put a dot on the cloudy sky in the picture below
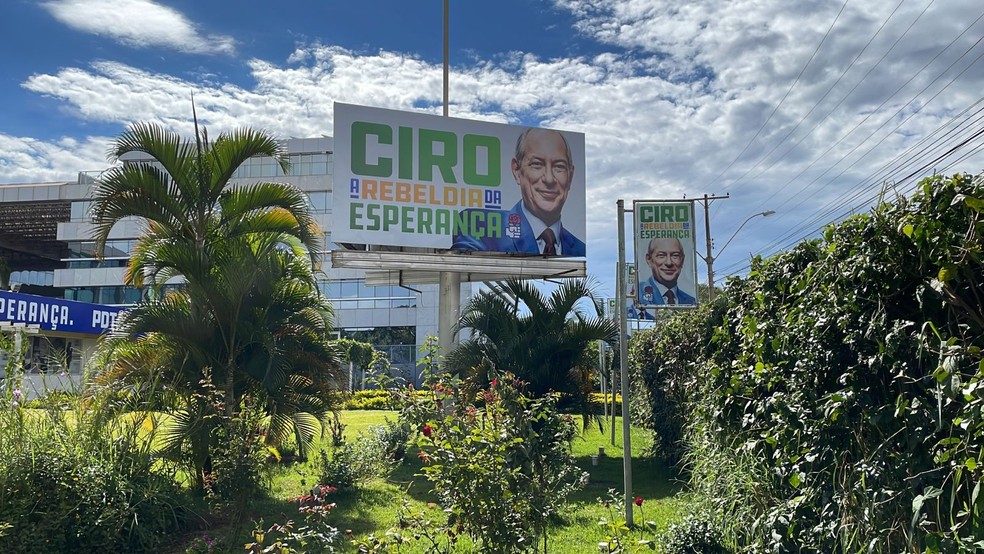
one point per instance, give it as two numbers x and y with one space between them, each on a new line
809 108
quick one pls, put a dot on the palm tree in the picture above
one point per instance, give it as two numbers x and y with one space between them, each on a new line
247 311
193 215
162 353
542 340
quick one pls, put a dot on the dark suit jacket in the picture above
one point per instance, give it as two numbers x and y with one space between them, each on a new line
525 242
658 300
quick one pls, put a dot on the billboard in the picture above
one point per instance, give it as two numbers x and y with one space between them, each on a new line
56 314
665 254
420 180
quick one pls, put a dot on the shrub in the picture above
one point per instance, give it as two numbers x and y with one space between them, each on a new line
839 406
666 365
337 468
238 459
388 441
502 470
695 535
81 486
372 399
315 534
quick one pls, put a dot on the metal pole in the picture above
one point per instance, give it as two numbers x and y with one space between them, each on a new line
623 349
601 374
612 381
449 299
446 57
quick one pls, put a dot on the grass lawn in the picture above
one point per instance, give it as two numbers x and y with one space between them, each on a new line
375 505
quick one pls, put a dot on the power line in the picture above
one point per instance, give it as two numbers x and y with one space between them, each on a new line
776 109
850 92
781 141
973 121
885 123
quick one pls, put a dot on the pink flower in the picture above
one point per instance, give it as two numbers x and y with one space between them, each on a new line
495 382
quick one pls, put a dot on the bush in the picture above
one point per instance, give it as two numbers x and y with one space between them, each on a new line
337 468
839 406
372 399
389 441
80 488
694 535
372 454
502 470
666 369
238 459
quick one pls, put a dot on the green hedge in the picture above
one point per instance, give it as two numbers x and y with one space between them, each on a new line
837 407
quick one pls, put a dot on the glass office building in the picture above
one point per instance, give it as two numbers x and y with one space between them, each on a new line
58 259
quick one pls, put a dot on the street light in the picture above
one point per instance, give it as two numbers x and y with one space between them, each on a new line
709 259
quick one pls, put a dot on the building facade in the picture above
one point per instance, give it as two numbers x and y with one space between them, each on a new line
45 236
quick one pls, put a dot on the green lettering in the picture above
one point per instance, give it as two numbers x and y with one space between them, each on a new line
405 150
470 152
464 223
372 212
442 225
493 224
361 130
391 216
355 216
445 162
424 221
406 218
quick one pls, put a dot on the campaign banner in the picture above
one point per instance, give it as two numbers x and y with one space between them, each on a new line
57 314
665 254
420 180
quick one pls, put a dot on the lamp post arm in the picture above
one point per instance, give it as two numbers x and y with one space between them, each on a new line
735 234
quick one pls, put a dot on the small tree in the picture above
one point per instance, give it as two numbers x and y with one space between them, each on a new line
501 468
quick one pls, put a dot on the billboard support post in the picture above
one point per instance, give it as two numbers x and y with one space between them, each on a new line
449 297
449 307
623 351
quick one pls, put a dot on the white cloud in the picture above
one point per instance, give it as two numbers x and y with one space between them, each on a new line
674 101
138 23
28 160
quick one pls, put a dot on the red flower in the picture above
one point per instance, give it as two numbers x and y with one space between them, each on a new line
495 382
638 501
427 430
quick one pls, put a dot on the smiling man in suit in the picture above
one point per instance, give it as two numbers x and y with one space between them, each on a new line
544 170
665 257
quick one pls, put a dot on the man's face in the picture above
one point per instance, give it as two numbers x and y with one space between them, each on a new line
665 257
544 174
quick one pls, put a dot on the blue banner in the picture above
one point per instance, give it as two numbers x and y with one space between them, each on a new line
57 314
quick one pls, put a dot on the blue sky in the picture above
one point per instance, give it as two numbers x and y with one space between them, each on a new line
749 97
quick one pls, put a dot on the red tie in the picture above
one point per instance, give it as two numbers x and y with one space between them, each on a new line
670 297
549 242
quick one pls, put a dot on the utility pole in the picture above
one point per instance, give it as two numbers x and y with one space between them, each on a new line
709 258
